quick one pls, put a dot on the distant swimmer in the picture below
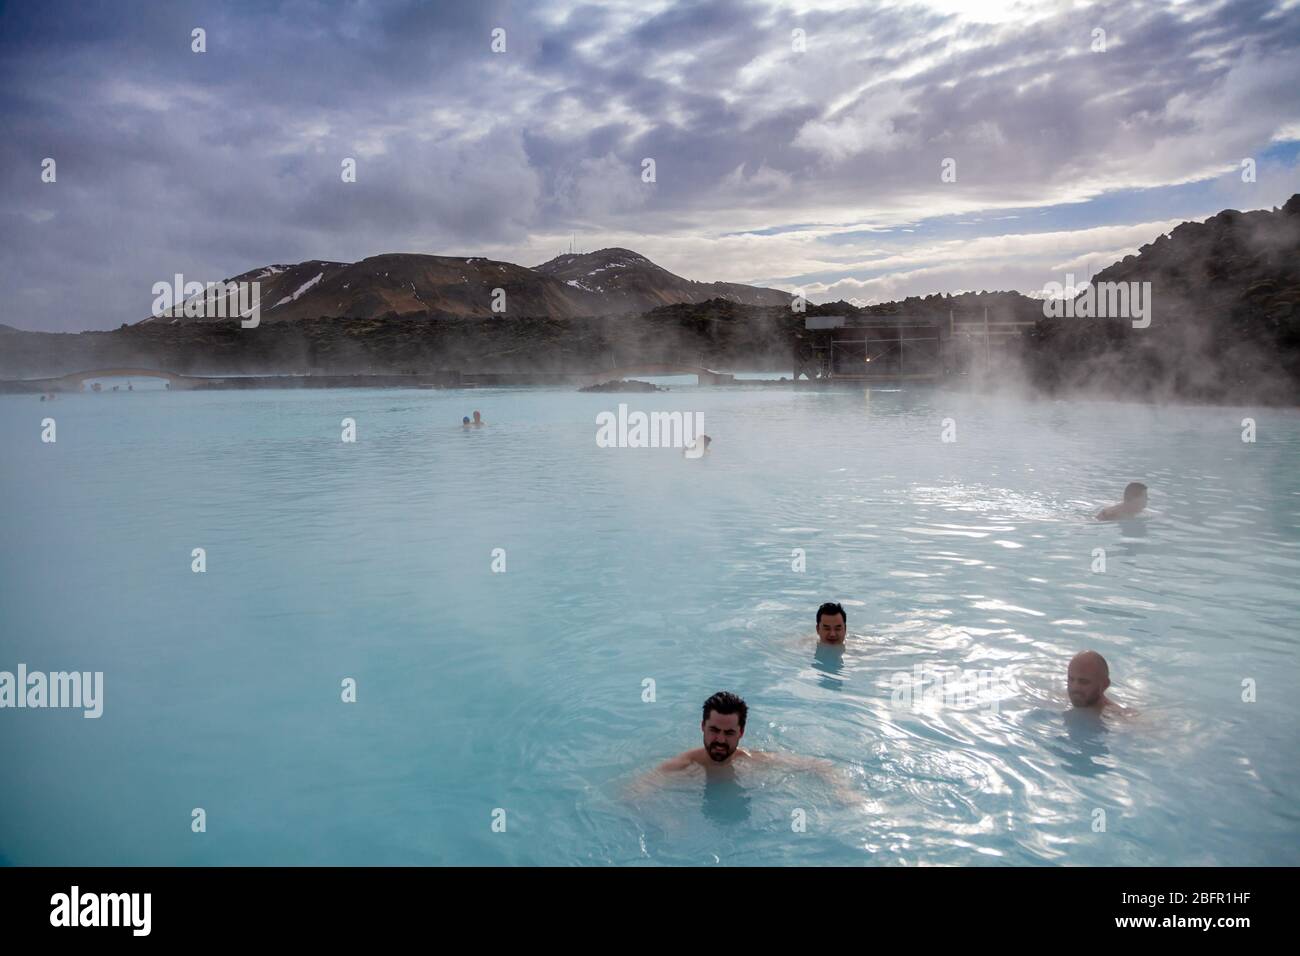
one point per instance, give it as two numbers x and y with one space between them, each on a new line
464 423
723 727
478 420
832 624
698 448
1135 500
1087 680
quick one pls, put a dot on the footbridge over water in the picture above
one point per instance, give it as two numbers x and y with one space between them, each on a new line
705 376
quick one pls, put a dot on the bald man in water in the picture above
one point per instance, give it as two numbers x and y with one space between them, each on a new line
1087 680
1134 503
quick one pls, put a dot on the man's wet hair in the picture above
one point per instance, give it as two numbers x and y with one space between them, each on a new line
1133 490
831 609
725 702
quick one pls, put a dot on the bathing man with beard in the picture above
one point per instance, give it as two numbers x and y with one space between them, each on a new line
1087 680
723 727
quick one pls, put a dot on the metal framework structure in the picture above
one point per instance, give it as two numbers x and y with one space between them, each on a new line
864 348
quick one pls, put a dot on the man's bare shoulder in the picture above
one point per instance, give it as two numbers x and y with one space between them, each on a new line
1113 708
682 761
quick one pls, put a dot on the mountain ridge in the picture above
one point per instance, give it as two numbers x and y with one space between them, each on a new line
612 281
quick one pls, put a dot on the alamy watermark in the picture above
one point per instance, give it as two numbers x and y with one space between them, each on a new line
75 908
927 687
212 300
56 689
648 430
1102 300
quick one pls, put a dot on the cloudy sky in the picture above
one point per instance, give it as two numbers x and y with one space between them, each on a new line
809 159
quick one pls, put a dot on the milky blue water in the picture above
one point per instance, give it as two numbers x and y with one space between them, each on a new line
527 691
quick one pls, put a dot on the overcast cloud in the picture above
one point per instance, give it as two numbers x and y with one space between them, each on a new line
818 168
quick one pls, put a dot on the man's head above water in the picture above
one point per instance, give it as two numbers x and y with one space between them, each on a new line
1134 503
723 725
1135 495
832 623
1087 679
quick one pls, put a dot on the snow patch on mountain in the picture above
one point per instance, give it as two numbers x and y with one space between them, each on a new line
301 289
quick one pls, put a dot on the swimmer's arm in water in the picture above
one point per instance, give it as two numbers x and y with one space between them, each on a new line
681 762
821 767
660 774
1122 512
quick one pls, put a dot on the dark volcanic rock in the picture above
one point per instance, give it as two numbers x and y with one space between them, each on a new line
623 386
1225 323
